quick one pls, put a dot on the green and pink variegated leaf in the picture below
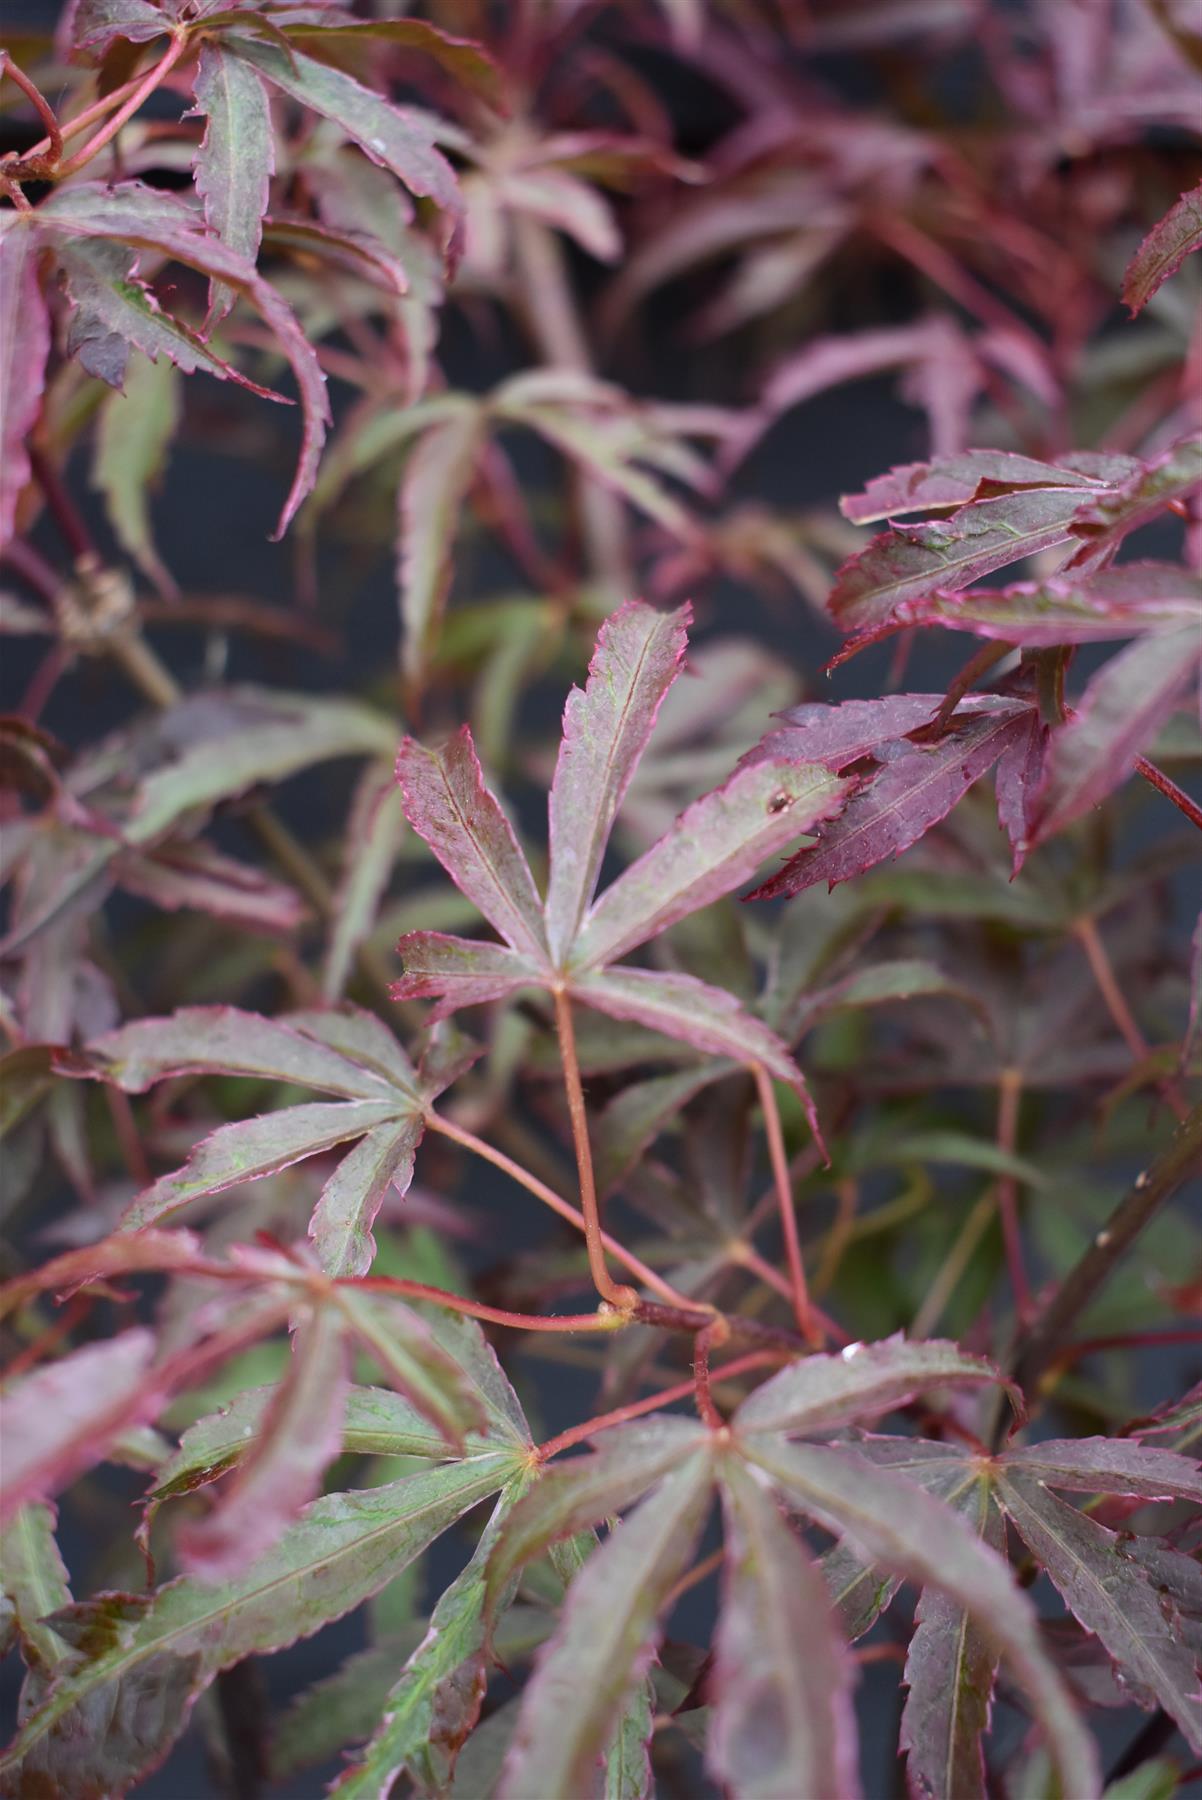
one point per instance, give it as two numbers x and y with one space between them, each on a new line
34 1582
911 793
1134 600
88 29
1106 520
133 442
24 347
782 1718
236 157
951 1667
708 1018
894 1523
838 735
138 218
396 137
571 1496
606 1638
1111 1597
1017 783
823 1393
62 1418
1164 250
464 971
98 1732
224 1040
715 845
1122 709
953 481
606 727
190 873
469 63
461 819
299 1436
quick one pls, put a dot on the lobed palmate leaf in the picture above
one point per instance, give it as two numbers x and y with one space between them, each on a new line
236 157
822 1393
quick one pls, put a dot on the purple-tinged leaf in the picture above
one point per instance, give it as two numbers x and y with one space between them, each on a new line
1130 601
1164 250
911 561
90 1735
464 971
34 1582
300 1433
1018 781
822 1393
1100 1465
909 795
88 29
1122 709
236 157
447 804
194 875
133 438
24 347
396 137
838 735
952 481
63 1418
950 1671
606 1639
1106 521
159 1251
782 1720
469 63
435 1703
571 1496
250 1148
1177 1424
706 1017
1110 1597
340 1229
222 1040
606 727
895 1523
438 473
858 1590
715 845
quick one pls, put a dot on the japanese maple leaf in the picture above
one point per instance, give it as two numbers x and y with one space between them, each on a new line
571 943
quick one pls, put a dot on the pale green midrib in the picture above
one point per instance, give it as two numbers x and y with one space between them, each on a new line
109 1670
885 590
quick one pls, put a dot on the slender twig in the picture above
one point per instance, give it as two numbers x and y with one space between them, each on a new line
602 1279
1010 1088
680 1390
1170 790
1090 940
746 1256
1124 1340
806 1322
557 1203
39 102
141 92
604 1319
709 1565
703 1343
1037 1348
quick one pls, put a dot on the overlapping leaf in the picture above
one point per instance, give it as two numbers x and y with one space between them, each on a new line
1164 250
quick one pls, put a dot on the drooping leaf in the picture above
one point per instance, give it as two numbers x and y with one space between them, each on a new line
438 473
136 428
821 1393
1122 709
950 1671
1017 784
1164 250
24 347
405 1347
97 1731
910 794
606 727
605 1639
896 1524
463 970
33 1580
89 28
782 1716
396 137
715 845
190 874
1099 1465
461 57
138 218
434 1705
64 1416
448 804
1130 601
300 1434
236 157
1110 1597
